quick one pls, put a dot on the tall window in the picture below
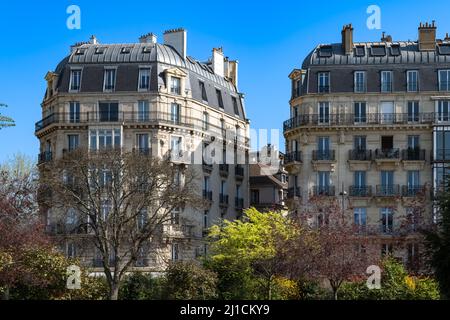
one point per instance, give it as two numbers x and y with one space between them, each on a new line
175 85
412 80
71 250
74 112
109 82
235 105
360 218
108 111
360 179
387 249
203 90
413 142
100 139
386 81
73 141
443 110
75 79
142 219
442 148
323 146
142 142
175 113
413 182
176 145
360 81
324 112
205 121
360 112
144 79
387 220
206 183
219 98
323 182
324 82
359 143
444 80
175 252
143 111
387 182
413 111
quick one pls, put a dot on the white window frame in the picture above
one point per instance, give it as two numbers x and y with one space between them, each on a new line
79 80
173 80
326 106
105 75
143 69
391 78
97 135
447 71
325 78
360 211
364 83
408 80
143 115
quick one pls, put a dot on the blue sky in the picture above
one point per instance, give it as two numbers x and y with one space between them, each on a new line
268 38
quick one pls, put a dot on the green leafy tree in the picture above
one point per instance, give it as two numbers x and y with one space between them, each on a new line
189 281
140 286
244 253
396 284
437 242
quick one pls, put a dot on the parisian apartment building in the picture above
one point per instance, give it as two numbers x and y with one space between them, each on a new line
370 125
154 98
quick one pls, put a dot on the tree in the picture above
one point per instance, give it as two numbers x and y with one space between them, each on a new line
396 284
20 227
122 200
438 244
4 120
336 251
245 253
189 281
141 286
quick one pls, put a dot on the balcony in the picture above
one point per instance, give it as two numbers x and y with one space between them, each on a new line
381 154
207 195
293 192
413 191
292 157
239 172
360 155
239 203
324 191
180 231
142 151
388 190
360 191
178 156
45 157
308 120
224 169
324 155
142 262
223 200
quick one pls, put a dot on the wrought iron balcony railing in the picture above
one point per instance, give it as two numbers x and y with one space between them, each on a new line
412 191
223 199
293 192
324 191
360 155
45 157
360 191
319 155
293 156
388 190
358 119
393 153
239 171
413 154
207 195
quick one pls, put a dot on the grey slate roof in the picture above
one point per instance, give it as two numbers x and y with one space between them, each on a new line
409 54
158 56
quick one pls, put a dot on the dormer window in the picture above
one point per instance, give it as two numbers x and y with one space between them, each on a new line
203 91
444 49
80 51
75 80
125 50
175 85
325 51
378 51
100 50
235 106
395 50
360 51
146 49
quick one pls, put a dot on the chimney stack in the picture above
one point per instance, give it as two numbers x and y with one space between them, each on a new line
218 61
427 36
177 39
347 39
232 71
93 40
386 38
447 38
148 38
